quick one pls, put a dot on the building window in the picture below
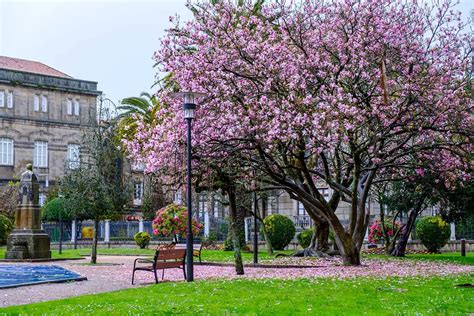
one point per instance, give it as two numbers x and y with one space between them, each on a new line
178 197
138 166
10 99
44 103
275 202
2 99
301 210
73 156
40 156
36 102
76 107
69 106
42 199
137 193
325 193
202 205
216 207
6 151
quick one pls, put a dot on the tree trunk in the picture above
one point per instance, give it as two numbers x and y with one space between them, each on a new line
320 239
240 225
401 246
345 244
61 234
268 243
94 242
239 267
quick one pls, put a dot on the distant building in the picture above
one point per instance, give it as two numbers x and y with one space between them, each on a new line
43 113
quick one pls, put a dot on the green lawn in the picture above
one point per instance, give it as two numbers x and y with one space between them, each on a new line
451 257
407 296
207 255
228 256
54 253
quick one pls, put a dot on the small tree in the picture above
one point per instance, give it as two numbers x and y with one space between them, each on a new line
171 221
96 190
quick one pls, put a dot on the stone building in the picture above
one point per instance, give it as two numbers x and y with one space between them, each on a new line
43 113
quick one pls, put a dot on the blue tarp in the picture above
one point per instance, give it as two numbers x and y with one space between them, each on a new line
12 275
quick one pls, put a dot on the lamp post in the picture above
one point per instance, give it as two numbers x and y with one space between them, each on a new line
189 106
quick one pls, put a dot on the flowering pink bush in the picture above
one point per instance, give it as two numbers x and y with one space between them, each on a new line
376 232
171 221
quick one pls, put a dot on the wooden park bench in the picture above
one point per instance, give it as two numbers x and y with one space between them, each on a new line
163 259
197 249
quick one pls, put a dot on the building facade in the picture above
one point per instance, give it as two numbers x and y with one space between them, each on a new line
43 113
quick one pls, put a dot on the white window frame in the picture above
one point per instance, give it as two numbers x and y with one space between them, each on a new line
40 154
2 98
41 199
6 151
137 193
69 106
76 107
44 103
325 193
10 99
73 156
36 103
300 209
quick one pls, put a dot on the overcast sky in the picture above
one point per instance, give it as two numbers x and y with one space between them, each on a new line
108 41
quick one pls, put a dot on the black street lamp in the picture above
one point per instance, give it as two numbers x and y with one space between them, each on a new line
189 106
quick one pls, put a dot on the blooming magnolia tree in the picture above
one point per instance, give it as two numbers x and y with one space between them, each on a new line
336 93
171 221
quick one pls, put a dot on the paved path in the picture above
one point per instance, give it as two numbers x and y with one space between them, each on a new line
117 275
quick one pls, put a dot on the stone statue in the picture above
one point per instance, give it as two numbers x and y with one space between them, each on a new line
28 241
29 187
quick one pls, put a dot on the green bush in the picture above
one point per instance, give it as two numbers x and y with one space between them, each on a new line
55 209
229 243
433 232
304 238
280 230
142 239
6 227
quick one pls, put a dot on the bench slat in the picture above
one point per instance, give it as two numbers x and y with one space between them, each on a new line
169 264
171 254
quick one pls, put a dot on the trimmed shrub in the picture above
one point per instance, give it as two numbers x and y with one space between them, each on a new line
433 232
142 239
229 243
304 238
6 227
55 209
280 230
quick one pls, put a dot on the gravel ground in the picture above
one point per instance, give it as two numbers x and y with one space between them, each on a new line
116 275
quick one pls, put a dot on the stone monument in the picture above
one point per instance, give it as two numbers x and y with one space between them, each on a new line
27 240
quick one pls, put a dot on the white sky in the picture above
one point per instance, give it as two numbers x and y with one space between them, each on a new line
108 41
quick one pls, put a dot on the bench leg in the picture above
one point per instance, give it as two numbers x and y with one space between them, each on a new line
163 275
156 276
200 257
133 276
184 272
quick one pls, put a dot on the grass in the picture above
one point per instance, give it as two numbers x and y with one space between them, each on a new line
207 255
451 257
420 296
228 256
54 254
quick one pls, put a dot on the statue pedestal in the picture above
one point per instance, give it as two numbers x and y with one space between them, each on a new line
28 244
